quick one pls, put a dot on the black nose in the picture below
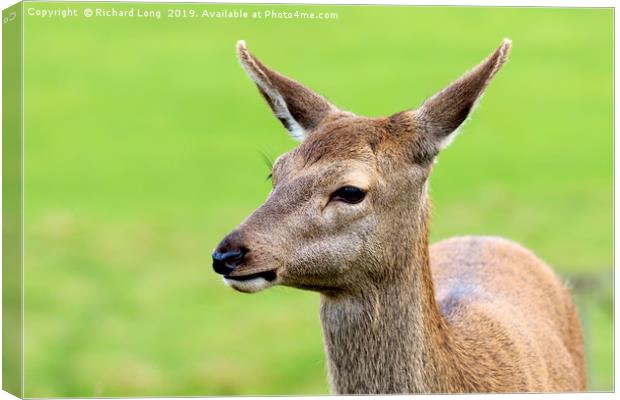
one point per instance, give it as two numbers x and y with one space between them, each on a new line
225 261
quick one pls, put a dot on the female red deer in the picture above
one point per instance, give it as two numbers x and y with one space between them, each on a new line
348 217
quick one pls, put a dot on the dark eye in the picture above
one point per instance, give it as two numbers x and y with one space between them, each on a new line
349 194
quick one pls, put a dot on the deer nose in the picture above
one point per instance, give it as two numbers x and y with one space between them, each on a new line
225 262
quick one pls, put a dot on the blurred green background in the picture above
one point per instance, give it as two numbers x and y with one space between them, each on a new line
143 149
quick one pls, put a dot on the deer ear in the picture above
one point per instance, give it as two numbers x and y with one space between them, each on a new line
298 108
441 115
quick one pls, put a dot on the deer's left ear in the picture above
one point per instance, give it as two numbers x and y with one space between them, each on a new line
298 108
440 116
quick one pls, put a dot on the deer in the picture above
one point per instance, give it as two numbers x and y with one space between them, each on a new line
348 217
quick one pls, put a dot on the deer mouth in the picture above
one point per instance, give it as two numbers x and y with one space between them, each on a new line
252 283
269 276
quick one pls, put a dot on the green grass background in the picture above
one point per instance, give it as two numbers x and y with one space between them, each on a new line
142 150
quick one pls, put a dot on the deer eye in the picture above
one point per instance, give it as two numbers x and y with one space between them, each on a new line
348 194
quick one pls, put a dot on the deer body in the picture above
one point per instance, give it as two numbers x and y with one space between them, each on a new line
467 335
348 217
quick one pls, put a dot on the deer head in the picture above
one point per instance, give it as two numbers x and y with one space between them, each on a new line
352 197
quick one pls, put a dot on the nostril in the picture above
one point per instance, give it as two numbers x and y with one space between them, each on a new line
233 257
225 262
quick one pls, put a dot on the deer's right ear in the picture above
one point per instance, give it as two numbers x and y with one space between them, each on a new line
298 108
441 115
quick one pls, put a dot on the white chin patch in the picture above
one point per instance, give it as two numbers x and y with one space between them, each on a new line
250 285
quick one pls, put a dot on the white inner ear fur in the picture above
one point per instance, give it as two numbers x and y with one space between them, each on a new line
280 108
281 111
448 139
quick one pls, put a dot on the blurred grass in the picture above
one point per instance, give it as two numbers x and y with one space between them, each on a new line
142 148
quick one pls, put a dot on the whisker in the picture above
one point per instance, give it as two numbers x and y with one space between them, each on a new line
268 161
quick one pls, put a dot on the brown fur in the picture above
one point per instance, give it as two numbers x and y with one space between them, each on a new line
469 314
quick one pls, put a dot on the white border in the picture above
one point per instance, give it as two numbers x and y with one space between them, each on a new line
521 3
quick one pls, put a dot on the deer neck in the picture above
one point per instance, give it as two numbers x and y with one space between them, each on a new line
391 337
